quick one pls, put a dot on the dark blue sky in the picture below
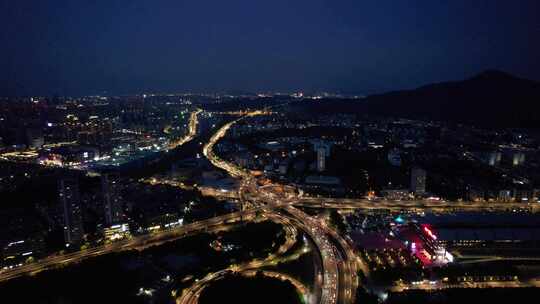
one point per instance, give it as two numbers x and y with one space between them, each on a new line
87 47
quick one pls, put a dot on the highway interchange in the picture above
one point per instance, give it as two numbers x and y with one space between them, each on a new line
338 282
339 264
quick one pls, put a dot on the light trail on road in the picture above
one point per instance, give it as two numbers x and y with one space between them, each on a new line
142 242
192 294
422 205
332 291
192 130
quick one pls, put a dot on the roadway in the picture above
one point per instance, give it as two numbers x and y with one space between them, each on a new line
381 204
192 130
439 285
339 282
191 295
142 242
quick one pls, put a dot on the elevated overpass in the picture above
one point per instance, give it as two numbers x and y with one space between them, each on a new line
136 243
349 203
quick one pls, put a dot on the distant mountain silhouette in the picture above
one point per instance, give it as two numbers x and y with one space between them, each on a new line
491 98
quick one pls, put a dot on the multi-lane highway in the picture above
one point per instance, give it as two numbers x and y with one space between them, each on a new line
214 224
381 204
192 130
438 285
339 266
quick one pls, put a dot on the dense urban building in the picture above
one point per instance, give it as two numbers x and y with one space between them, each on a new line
418 181
112 199
69 197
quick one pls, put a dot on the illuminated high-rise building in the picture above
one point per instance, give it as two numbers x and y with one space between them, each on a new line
518 158
418 181
112 200
34 138
323 151
69 196
321 159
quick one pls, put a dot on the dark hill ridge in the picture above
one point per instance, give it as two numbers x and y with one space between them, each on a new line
492 98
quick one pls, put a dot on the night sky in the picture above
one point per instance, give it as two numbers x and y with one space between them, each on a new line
69 47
